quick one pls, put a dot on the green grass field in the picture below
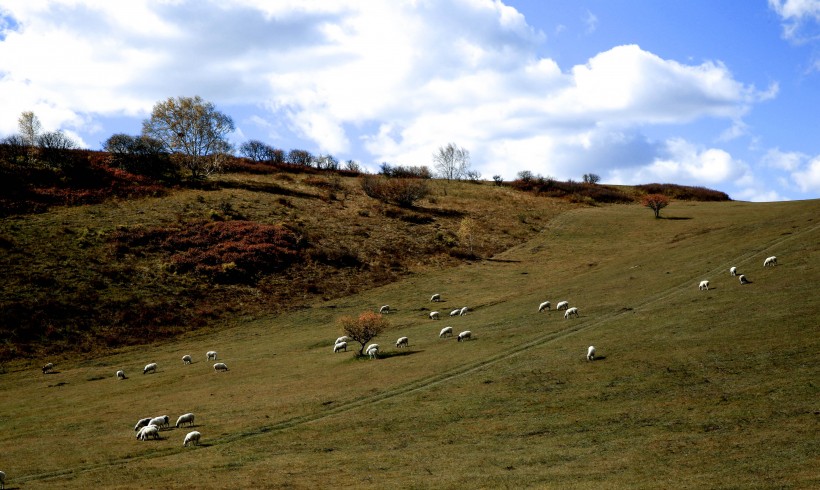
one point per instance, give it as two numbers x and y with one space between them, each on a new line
692 389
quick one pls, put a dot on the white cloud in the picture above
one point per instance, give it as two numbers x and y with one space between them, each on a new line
800 18
790 161
808 178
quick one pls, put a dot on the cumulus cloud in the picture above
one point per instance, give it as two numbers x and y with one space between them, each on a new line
801 18
807 178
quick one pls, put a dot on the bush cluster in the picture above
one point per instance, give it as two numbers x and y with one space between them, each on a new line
574 191
398 191
684 193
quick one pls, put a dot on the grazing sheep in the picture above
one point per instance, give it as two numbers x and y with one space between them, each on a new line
591 353
463 311
48 367
187 418
150 368
570 312
446 331
455 312
210 355
372 351
463 336
148 431
544 306
193 438
161 421
562 305
384 309
733 271
220 366
341 346
120 374
703 286
402 342
142 423
434 315
770 261
435 297
2 480
743 279
186 359
341 339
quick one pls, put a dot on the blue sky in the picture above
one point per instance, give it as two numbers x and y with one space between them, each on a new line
723 94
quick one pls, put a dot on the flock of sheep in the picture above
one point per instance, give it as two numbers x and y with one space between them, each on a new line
769 262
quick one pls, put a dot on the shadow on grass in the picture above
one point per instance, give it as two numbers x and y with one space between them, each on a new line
599 358
675 218
268 188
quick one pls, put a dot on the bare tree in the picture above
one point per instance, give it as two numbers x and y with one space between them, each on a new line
256 151
30 127
54 146
364 328
451 162
592 178
194 130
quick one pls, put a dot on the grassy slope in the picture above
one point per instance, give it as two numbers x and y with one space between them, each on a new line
695 389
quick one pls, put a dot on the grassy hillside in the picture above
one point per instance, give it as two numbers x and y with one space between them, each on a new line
692 388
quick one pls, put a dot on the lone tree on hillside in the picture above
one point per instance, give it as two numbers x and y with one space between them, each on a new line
30 127
364 328
194 130
452 162
655 202
592 178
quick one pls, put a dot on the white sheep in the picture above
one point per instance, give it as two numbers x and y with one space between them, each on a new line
120 374
544 306
341 346
434 315
148 431
435 297
142 423
743 279
161 421
187 418
2 480
703 286
341 339
48 367
150 368
193 438
463 336
402 342
463 311
570 312
210 355
562 305
770 261
384 309
446 331
220 366
591 353
372 350
455 312
186 359
733 271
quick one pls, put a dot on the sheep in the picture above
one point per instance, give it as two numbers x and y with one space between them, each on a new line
193 438
150 368
544 306
591 353
463 311
372 351
161 421
341 339
142 423
570 312
455 312
402 342
770 261
733 271
187 418
148 431
341 346
384 309
434 315
446 331
703 286
220 366
743 279
463 336
210 355
562 305
2 480
186 359
121 374
48 367
435 297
